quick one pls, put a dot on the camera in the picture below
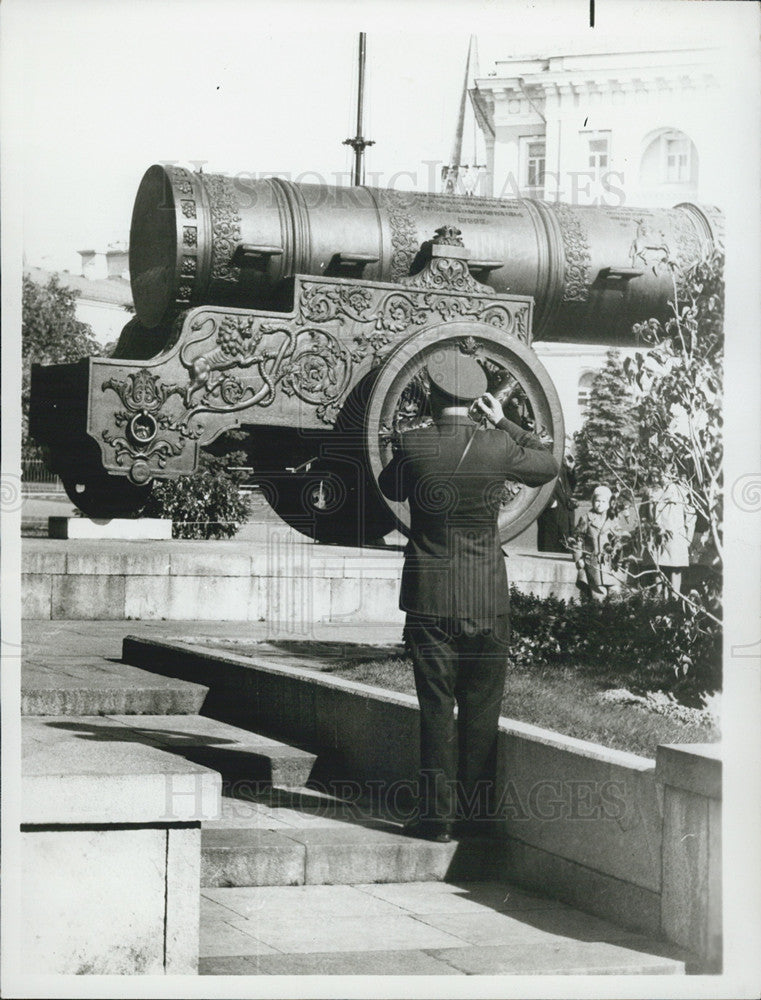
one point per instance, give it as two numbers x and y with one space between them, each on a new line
475 413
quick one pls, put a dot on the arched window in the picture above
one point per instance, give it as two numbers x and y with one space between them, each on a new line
585 389
669 162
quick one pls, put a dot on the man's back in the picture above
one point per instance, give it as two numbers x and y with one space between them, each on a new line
454 583
454 566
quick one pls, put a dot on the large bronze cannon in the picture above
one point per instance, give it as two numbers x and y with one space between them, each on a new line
307 314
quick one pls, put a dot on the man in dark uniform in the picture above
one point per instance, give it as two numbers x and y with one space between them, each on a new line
454 583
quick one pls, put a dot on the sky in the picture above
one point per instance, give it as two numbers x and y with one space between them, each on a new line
109 88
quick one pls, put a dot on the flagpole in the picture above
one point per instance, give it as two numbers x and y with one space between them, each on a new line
359 143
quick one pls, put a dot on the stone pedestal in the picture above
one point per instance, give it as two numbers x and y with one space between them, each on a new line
155 528
691 894
289 582
111 851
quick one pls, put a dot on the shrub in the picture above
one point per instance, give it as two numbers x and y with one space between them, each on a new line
676 389
206 504
640 640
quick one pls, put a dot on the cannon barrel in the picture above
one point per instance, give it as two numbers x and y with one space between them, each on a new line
208 239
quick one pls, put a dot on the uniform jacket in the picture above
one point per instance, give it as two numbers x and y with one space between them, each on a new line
454 566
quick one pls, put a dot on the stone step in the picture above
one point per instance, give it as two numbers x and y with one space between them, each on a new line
334 856
247 762
240 760
427 928
284 837
94 685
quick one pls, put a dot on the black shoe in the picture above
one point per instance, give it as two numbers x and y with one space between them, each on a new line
429 829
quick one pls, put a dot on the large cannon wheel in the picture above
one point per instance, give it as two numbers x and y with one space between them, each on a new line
101 496
399 400
330 496
331 502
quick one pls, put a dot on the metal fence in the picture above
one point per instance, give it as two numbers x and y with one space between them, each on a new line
36 477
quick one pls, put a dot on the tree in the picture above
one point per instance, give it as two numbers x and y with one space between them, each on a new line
609 430
50 334
680 383
677 391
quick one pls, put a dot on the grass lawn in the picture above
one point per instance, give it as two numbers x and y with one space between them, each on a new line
564 699
557 698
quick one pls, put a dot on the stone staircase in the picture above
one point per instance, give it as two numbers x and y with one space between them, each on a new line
299 876
90 685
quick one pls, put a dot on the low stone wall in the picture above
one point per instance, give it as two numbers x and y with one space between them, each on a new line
283 579
110 852
582 823
691 894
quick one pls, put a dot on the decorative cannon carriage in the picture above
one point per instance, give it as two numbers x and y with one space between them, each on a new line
307 314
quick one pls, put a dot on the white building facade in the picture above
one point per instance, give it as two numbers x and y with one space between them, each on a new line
105 303
630 128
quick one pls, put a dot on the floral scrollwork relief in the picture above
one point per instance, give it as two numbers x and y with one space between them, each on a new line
320 303
141 391
125 450
309 363
578 260
318 372
144 396
225 225
404 236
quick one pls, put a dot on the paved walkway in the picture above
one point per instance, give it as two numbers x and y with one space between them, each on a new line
413 928
340 923
54 642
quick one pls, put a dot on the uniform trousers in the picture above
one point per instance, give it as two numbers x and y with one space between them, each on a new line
457 660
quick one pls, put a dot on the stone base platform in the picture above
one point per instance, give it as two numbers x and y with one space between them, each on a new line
281 578
294 880
157 528
624 837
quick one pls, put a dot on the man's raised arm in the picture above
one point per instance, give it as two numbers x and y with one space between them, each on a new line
528 459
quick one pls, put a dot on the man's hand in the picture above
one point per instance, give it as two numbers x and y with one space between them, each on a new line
490 408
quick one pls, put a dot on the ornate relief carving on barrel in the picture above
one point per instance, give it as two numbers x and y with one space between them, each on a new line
225 226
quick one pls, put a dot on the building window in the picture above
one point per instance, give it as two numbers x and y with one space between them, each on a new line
535 165
598 153
669 160
533 156
676 153
585 389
